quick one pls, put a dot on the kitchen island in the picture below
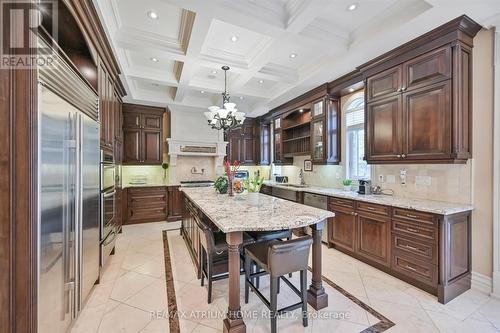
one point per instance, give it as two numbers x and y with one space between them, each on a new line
233 216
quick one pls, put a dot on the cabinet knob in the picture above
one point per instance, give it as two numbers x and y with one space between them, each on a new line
398 155
399 90
403 89
403 156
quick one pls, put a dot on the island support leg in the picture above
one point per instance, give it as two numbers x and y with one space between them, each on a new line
234 320
316 295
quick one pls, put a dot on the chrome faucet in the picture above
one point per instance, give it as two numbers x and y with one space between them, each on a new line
301 177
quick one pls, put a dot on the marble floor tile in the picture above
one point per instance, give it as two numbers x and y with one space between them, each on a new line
152 298
129 285
124 319
133 284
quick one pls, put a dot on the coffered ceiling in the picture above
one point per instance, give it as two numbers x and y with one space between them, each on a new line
170 51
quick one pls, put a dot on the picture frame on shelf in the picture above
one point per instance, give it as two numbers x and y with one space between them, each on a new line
308 165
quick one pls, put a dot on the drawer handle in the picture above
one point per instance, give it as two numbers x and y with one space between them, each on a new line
412 216
412 247
370 208
411 229
411 268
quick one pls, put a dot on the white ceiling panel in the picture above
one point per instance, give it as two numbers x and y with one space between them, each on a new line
192 38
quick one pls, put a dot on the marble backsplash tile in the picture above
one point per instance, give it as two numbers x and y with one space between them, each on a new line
186 163
154 174
448 182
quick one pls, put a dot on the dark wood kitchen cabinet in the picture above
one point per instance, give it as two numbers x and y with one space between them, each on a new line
383 129
342 227
427 250
242 143
373 237
427 120
265 143
175 202
146 204
410 113
142 134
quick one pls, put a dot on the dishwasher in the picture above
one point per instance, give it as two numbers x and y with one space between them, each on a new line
318 201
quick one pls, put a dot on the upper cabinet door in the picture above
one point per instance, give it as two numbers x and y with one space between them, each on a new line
427 120
317 109
131 120
248 150
234 146
151 147
384 84
277 147
383 134
318 140
131 146
152 121
427 69
277 123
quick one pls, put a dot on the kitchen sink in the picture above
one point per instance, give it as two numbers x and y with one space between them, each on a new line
294 185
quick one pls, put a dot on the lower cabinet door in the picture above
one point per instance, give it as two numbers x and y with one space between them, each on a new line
343 230
148 214
373 241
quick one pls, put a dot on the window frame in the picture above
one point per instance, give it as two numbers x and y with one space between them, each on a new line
357 127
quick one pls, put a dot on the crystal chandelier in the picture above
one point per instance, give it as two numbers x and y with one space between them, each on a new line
227 117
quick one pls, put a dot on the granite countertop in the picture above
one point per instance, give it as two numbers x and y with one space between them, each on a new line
238 213
423 205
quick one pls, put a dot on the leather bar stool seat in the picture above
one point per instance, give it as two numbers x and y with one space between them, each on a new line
264 236
212 258
279 258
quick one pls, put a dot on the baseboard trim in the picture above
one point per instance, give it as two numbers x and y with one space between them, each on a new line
496 285
482 283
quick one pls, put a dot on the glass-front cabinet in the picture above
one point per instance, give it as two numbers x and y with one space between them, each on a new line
277 124
277 147
318 140
325 131
318 108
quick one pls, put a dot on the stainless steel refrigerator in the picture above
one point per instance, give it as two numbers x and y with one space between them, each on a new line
68 192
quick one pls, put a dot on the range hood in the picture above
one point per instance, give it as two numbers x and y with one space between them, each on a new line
177 149
195 148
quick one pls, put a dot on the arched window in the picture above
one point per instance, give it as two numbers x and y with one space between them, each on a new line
356 166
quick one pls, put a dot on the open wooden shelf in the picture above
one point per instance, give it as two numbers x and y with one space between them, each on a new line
308 123
297 138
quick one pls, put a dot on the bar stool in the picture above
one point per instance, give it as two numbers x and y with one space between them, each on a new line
213 254
263 236
278 258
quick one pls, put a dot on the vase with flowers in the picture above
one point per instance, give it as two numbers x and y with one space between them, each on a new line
230 172
253 188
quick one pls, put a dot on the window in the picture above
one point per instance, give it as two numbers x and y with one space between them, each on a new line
356 168
265 144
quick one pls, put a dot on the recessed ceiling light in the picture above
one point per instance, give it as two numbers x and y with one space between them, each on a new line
202 91
153 59
234 38
351 89
152 15
352 7
261 81
214 71
241 97
293 55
